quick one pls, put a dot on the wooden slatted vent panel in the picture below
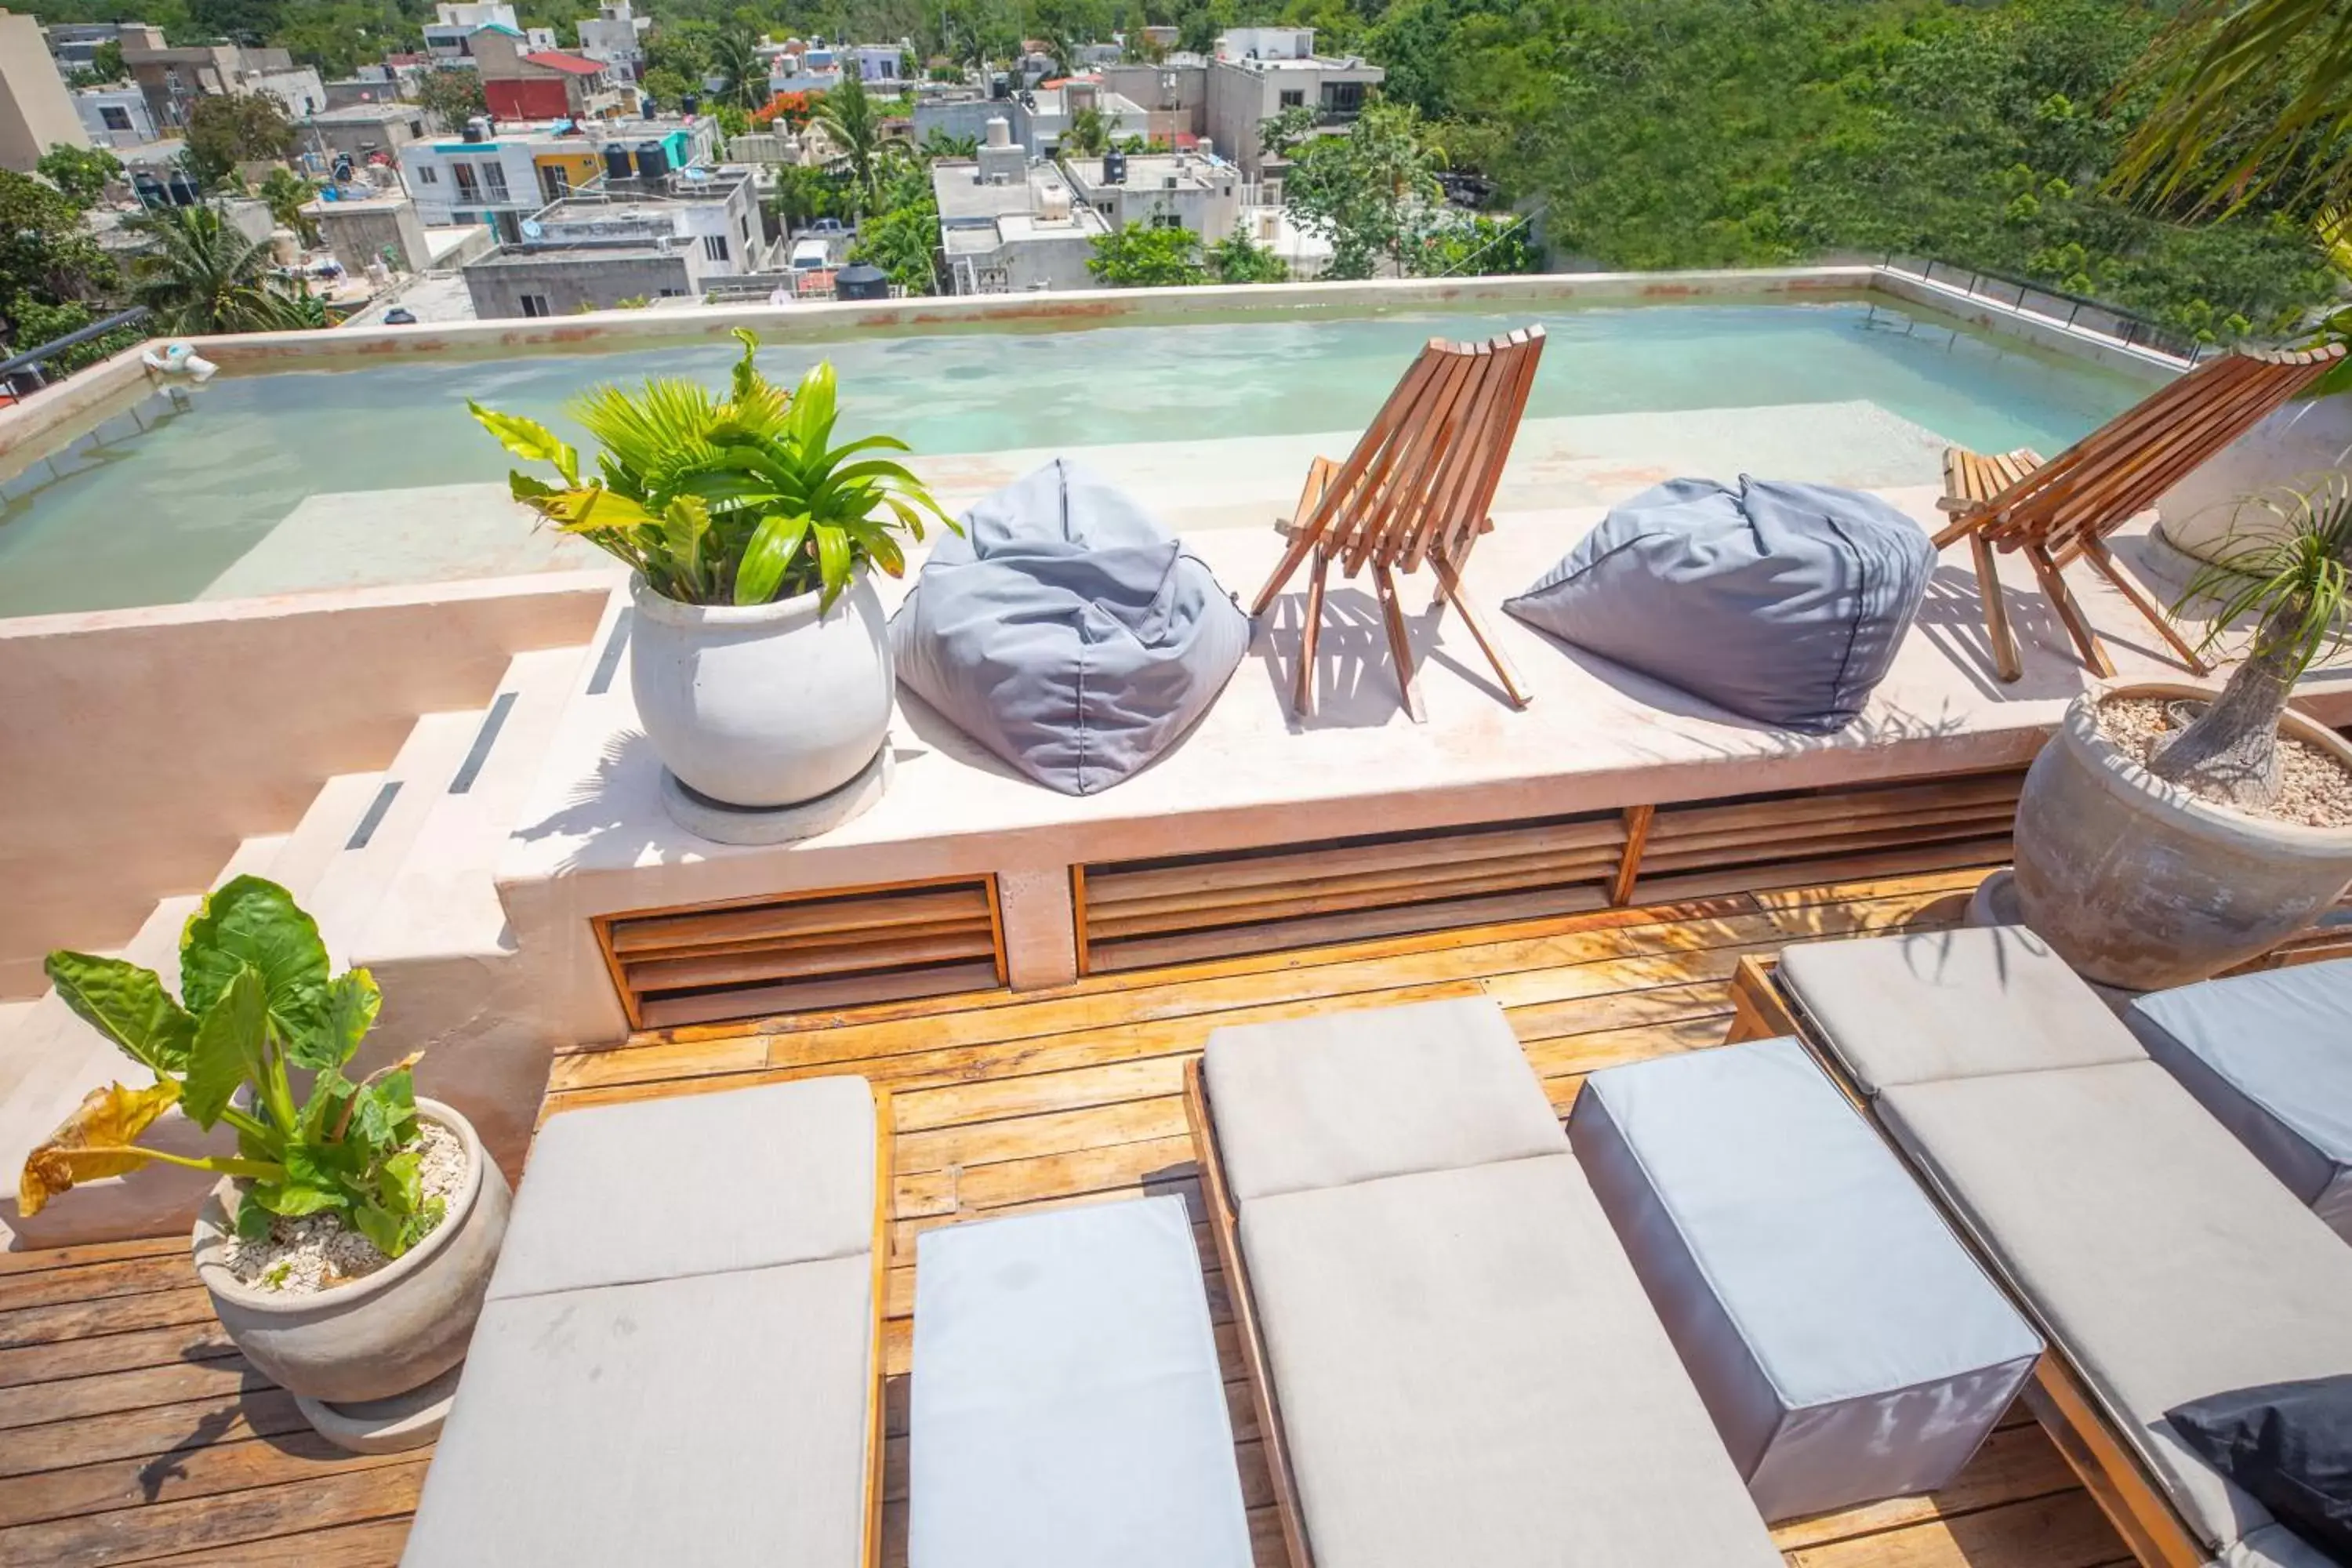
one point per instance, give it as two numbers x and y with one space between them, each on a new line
1792 839
840 948
1135 913
1140 912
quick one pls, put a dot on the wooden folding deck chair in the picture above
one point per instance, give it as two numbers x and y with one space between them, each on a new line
1415 488
2053 511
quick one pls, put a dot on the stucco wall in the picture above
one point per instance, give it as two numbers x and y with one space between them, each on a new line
581 280
138 747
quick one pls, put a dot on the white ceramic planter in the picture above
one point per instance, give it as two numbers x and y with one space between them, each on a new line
388 1332
768 705
2139 884
2204 515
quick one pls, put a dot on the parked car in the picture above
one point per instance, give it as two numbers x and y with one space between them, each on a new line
811 254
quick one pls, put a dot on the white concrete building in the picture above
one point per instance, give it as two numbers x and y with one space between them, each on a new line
447 38
507 177
1261 72
1040 116
1009 227
1197 191
626 239
616 35
115 117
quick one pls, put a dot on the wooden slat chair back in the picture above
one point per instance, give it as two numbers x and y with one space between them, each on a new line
1415 491
2055 511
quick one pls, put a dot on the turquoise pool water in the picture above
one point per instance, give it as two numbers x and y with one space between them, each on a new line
151 515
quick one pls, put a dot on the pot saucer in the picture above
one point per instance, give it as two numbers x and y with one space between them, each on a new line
389 1425
724 823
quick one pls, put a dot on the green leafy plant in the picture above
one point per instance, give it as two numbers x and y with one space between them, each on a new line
737 499
2291 574
255 1006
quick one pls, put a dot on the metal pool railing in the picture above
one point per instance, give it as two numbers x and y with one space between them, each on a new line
2070 312
22 375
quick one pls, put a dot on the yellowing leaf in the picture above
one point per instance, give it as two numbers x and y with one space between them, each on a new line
530 439
94 1143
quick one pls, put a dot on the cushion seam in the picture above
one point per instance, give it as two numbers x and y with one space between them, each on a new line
866 1251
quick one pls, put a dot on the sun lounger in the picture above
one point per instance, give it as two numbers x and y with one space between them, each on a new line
2162 1262
1453 1360
680 1360
2269 1055
1068 1410
1846 1344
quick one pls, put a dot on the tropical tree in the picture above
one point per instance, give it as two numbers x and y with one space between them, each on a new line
452 97
288 194
850 122
233 128
1369 191
939 143
1238 258
204 277
803 195
735 55
903 238
1088 135
2253 97
1135 257
47 256
81 173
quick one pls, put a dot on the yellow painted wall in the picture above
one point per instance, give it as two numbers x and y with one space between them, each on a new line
578 167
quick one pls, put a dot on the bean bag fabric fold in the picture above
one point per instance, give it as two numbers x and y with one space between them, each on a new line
1782 602
1067 632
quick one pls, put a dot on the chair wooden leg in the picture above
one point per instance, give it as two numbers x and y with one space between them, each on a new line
2005 662
1450 582
1310 630
2070 613
1400 645
1318 479
2104 561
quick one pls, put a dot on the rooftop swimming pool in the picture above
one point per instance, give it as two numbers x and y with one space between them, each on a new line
161 502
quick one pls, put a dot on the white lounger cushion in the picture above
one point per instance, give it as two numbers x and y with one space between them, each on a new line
717 1420
1930 1005
2165 1259
1068 1409
659 1188
1845 1343
2269 1055
1344 1097
1469 1373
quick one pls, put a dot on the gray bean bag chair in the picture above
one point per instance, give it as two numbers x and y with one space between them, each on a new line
1782 602
1067 632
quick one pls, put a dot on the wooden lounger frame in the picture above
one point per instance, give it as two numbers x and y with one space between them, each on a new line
1224 1218
2056 511
2134 1500
1416 488
877 1445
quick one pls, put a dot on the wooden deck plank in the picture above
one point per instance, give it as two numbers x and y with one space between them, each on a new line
129 1432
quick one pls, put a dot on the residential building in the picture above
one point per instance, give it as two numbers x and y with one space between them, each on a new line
508 175
540 84
1009 227
173 78
35 111
1040 116
361 130
1261 72
876 65
115 117
962 113
449 36
624 239
1163 189
363 227
73 45
382 87
1174 94
616 35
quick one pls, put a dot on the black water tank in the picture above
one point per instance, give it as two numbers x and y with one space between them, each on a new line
861 281
183 190
1114 167
690 104
653 161
148 189
616 161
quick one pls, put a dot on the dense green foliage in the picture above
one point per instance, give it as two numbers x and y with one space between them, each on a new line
900 232
81 173
255 1006
1726 133
47 258
238 128
452 96
1135 257
203 276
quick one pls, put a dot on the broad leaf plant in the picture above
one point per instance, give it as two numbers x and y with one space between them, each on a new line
255 1008
734 499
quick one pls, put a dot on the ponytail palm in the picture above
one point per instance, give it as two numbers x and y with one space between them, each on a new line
741 499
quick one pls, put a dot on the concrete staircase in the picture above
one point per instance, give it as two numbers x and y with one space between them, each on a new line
396 867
